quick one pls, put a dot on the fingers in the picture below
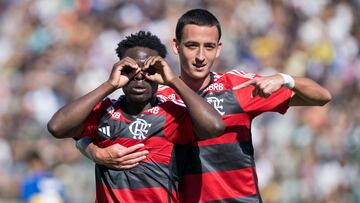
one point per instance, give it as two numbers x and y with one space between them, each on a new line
126 63
245 84
127 150
120 157
133 159
122 71
126 166
154 69
133 156
263 86
127 163
153 62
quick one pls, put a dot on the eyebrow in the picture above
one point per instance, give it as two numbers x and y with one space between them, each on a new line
195 42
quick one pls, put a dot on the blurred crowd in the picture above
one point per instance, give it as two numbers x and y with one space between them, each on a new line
54 51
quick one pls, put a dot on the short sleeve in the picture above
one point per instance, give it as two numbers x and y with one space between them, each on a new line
277 102
91 122
178 125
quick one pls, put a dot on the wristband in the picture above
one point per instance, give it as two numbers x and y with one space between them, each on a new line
289 81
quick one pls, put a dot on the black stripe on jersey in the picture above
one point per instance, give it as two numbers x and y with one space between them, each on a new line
249 199
145 175
177 166
152 126
220 157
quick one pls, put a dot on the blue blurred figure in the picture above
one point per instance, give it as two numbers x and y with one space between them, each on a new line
40 185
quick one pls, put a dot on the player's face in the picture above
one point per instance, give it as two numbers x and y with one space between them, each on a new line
140 90
198 48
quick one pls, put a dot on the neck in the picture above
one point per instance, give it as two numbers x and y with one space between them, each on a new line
194 83
135 108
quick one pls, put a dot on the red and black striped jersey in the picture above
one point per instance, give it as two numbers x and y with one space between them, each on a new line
164 130
222 169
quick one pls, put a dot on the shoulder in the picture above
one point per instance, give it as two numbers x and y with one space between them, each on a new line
175 103
229 79
165 93
107 104
168 107
239 75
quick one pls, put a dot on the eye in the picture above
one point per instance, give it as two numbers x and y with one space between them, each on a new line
191 45
151 70
210 46
127 70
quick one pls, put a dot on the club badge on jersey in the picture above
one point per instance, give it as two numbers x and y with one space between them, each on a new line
139 128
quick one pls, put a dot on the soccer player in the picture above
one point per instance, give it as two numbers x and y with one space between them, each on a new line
223 169
139 117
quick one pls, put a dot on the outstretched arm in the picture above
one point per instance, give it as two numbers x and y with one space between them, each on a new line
207 122
306 91
68 121
309 93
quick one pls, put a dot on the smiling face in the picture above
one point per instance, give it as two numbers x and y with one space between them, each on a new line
198 48
140 90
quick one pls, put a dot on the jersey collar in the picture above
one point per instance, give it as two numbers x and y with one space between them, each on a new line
200 91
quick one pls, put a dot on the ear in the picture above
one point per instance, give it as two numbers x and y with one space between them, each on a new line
218 49
175 45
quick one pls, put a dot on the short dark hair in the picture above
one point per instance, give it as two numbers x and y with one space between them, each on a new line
200 17
141 39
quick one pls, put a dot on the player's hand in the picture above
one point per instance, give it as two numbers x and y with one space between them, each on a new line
264 86
158 70
119 157
123 71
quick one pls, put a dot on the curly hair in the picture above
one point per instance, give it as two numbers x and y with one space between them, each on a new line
141 39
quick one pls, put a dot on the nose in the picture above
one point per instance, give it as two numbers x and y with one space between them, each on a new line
139 76
200 57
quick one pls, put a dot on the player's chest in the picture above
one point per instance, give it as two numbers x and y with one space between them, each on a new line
117 124
223 100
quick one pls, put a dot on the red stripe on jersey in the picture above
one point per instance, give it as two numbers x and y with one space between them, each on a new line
126 142
159 148
104 194
217 186
237 129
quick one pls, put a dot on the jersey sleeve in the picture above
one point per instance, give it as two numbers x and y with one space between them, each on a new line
91 122
165 93
178 125
277 102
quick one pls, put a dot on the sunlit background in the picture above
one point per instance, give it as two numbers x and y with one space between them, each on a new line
52 51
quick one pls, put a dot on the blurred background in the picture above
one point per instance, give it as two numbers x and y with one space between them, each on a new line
54 51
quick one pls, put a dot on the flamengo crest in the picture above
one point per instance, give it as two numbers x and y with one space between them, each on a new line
217 103
139 129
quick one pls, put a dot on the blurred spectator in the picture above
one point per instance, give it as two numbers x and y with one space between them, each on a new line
40 186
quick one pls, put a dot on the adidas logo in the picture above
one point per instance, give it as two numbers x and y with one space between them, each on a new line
105 130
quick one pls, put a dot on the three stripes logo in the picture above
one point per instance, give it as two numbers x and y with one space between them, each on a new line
105 130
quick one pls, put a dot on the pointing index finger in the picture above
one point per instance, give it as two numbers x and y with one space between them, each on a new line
245 84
